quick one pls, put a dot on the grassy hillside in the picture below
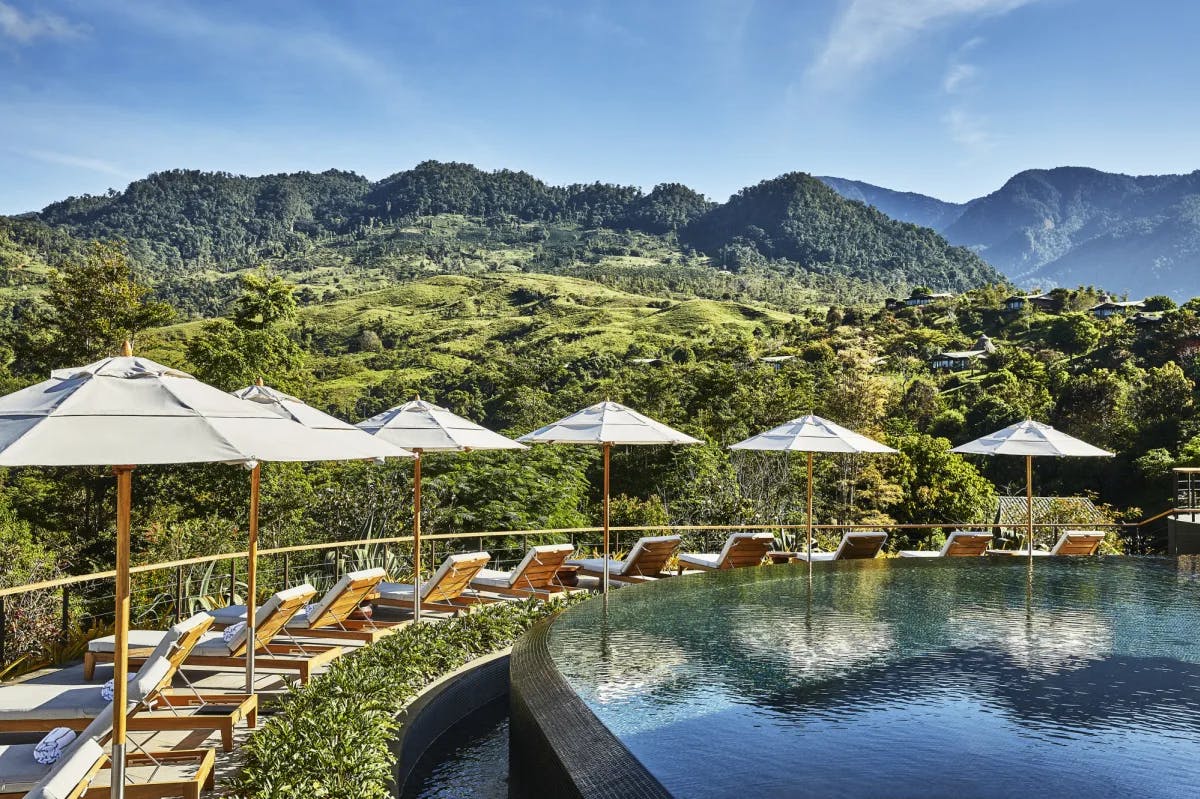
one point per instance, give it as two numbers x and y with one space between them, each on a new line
447 323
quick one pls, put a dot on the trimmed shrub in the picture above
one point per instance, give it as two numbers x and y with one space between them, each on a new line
330 738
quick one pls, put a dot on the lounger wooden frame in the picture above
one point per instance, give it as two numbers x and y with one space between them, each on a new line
747 549
539 578
648 564
447 593
302 658
146 719
203 780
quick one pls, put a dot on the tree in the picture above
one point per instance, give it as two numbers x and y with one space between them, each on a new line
233 354
1159 302
95 304
936 484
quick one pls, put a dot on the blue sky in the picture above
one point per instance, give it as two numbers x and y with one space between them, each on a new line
945 97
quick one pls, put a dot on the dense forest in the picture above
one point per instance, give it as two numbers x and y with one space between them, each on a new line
187 231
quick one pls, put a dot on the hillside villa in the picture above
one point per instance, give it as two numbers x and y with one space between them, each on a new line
954 361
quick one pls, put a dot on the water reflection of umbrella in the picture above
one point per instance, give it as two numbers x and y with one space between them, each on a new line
341 434
607 423
424 427
1033 440
811 434
124 412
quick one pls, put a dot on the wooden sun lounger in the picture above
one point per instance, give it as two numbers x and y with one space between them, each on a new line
1071 542
329 619
535 576
959 544
740 550
645 561
445 591
154 705
82 770
854 546
212 651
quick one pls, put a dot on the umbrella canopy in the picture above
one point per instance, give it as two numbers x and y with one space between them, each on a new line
424 427
811 434
1033 440
421 425
133 411
337 432
128 411
607 423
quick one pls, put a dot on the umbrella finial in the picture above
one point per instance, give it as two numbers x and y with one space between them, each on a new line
127 349
259 382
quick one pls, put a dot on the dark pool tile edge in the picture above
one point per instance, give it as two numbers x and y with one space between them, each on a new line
558 746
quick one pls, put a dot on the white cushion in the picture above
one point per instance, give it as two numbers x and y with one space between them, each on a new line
596 565
817 556
138 639
18 770
491 578
230 614
68 772
396 591
915 553
700 559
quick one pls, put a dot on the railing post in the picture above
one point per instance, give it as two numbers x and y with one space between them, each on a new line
178 594
287 570
337 564
66 616
232 580
3 633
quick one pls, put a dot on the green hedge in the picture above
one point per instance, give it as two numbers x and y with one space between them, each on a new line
330 738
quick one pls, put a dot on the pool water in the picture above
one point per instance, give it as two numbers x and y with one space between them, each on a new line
468 761
962 677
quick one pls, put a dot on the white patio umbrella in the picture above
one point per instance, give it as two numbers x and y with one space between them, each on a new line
323 425
1033 440
124 412
607 423
424 427
811 434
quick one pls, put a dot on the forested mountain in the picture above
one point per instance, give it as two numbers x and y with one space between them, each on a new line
186 229
1073 225
798 218
1070 226
908 206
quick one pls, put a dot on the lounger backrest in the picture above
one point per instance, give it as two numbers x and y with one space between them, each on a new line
453 576
649 555
965 545
345 597
154 674
72 773
540 565
181 638
98 730
273 616
1078 542
745 549
860 546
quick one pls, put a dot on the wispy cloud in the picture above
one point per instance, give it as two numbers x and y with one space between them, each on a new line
25 27
868 31
966 128
77 162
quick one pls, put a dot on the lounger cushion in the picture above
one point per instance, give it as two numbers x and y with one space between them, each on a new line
489 578
138 639
701 559
18 770
817 556
397 590
596 565
915 553
46 702
68 772
232 614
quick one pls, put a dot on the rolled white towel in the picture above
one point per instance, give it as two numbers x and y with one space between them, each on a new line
232 631
50 748
308 610
106 690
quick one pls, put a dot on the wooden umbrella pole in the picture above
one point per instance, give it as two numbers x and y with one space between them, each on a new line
1029 504
124 476
417 536
252 576
607 455
810 505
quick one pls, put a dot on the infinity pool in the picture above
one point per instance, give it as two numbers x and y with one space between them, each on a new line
961 677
